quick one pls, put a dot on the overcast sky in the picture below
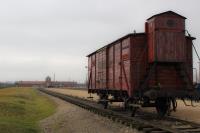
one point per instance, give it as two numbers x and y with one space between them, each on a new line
42 37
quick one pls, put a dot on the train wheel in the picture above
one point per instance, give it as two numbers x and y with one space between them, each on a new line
162 106
105 104
134 111
103 100
126 104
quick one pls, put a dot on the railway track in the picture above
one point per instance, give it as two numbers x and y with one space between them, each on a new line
144 122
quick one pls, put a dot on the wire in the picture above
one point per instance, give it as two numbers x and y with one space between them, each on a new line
193 46
196 51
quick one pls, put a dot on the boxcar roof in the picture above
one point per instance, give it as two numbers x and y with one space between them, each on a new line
168 12
112 43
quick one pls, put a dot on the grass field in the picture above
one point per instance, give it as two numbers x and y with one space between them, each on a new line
22 108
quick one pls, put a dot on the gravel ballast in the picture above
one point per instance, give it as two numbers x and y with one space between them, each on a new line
73 119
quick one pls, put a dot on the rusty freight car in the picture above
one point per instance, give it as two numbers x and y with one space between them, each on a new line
151 69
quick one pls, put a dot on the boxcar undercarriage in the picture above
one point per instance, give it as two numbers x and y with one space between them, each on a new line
164 101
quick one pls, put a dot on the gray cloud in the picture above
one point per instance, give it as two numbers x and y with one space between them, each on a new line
42 37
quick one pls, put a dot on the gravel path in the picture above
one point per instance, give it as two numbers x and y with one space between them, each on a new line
73 119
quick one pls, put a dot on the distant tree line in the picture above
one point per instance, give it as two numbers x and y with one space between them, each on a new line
6 85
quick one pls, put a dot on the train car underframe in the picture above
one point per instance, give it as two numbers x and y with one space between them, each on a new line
164 101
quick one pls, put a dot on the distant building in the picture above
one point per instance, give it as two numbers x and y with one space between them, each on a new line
47 83
30 83
64 84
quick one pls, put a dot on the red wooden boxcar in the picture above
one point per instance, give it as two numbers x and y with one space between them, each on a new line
151 68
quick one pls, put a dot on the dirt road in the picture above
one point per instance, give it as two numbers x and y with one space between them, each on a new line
73 119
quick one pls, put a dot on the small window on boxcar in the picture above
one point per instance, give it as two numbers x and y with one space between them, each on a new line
171 23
